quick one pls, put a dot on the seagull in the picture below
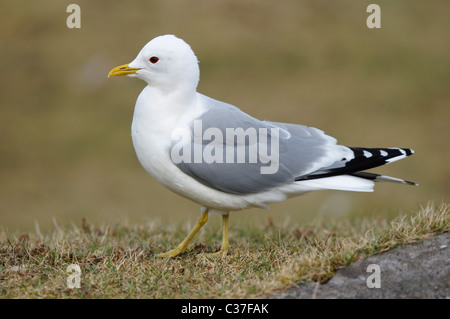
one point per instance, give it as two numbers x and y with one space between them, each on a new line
224 159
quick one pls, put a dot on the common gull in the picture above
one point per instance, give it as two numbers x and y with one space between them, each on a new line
224 159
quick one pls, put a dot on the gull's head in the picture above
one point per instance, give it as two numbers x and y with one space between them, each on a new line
166 62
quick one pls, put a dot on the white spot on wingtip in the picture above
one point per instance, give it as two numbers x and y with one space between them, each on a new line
396 158
367 154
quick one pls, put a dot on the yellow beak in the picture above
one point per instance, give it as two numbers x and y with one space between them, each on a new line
122 70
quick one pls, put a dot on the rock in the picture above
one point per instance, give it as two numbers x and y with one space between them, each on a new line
419 270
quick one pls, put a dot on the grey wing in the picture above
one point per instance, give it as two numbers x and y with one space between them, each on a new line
223 152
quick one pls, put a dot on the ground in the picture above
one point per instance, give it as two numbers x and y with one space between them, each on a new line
419 270
119 261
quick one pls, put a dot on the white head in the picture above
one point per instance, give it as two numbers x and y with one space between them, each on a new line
166 62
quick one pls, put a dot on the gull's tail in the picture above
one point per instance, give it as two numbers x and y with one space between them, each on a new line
382 178
363 159
347 174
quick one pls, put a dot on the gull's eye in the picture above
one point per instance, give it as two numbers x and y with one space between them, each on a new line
153 59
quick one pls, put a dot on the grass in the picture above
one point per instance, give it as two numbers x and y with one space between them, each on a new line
118 261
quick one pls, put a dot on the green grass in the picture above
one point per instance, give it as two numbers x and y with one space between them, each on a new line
118 261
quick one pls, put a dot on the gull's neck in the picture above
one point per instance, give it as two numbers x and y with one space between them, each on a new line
176 96
162 106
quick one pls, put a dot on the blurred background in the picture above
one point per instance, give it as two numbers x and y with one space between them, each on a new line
65 144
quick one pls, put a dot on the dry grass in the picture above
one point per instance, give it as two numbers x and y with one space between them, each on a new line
118 262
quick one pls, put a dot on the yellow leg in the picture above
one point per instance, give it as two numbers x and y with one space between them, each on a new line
225 244
184 244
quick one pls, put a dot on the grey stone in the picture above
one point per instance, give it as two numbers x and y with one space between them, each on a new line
419 270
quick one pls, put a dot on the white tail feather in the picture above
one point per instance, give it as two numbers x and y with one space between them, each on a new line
341 182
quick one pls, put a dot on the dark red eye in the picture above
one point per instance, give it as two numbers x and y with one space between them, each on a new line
153 59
